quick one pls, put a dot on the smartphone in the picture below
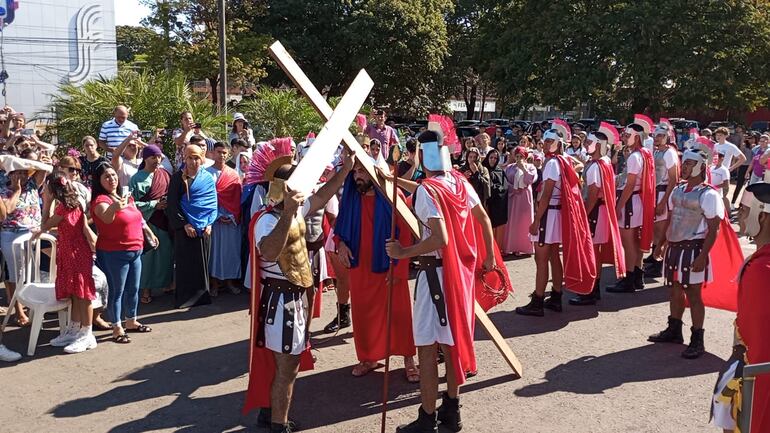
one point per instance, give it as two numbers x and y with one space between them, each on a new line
27 132
124 191
197 126
147 135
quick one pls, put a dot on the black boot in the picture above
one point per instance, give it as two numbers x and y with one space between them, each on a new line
638 281
672 333
589 299
624 285
534 308
423 424
264 420
554 301
654 269
449 413
281 428
696 347
341 321
651 257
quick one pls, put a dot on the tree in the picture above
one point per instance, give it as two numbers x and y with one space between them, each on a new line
189 42
280 113
155 101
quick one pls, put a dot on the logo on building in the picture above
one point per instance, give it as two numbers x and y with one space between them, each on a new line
87 40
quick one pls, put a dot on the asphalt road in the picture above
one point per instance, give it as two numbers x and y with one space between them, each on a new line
588 369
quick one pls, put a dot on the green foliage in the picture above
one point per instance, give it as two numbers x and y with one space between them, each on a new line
280 113
154 101
134 41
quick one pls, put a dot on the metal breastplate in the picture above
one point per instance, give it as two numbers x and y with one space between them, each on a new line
620 180
686 213
293 260
661 174
314 226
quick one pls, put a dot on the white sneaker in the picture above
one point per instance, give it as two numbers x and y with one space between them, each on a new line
82 343
8 355
67 336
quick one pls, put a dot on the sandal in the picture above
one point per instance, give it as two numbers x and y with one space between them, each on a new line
145 299
363 368
121 339
141 329
21 323
412 374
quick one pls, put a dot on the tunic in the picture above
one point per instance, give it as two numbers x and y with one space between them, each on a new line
225 259
157 264
520 209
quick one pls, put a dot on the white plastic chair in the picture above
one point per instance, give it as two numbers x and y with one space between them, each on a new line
38 295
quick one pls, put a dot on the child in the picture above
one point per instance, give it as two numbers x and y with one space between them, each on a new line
74 260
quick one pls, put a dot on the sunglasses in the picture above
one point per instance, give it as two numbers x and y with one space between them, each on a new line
71 169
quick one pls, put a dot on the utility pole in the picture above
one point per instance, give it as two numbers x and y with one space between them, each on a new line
163 9
222 57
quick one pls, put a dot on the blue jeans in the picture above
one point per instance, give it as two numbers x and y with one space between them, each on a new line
122 269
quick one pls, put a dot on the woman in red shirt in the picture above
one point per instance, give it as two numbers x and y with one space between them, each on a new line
119 246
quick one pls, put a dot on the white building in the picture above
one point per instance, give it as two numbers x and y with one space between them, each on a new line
51 42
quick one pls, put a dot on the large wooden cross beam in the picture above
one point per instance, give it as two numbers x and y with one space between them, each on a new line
303 83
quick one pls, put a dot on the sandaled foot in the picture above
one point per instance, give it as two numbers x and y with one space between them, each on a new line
141 329
146 298
363 368
21 321
412 374
121 339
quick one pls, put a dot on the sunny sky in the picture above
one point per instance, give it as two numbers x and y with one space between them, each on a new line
129 12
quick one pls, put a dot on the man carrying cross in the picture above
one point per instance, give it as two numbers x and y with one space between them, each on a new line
449 253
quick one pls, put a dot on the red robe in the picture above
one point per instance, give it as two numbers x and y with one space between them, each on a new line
612 252
726 258
368 295
649 199
229 192
753 307
577 246
261 360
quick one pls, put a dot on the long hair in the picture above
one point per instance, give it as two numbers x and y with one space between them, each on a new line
62 189
96 183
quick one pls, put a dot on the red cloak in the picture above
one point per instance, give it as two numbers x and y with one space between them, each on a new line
261 359
577 246
460 263
612 252
648 199
753 306
726 258
229 192
368 293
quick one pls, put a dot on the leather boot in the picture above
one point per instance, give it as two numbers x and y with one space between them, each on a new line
696 347
654 269
624 285
264 420
554 301
423 424
449 413
341 321
281 428
534 308
672 333
638 279
589 299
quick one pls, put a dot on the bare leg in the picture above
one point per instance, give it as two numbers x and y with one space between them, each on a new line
697 309
677 300
499 235
286 370
631 247
76 311
452 387
557 271
83 306
542 258
10 288
429 376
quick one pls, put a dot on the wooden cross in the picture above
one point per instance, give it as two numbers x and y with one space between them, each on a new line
287 63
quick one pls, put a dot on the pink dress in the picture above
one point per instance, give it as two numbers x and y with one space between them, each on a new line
521 211
74 260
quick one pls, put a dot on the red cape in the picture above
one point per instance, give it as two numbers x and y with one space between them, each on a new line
648 199
577 246
229 192
460 263
261 360
726 258
753 304
612 252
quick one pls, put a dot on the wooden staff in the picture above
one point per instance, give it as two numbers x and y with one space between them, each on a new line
396 156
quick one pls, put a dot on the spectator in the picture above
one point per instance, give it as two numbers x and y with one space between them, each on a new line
707 133
115 130
378 129
497 203
241 130
20 212
575 149
733 157
237 145
738 137
149 188
74 262
125 158
408 168
119 247
521 177
720 178
183 136
743 174
70 168
760 157
501 145
242 165
375 149
477 175
483 143
90 159
225 259
202 142
192 209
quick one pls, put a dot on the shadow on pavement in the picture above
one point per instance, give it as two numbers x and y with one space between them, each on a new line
594 375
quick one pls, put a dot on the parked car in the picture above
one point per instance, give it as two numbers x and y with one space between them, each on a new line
760 125
614 123
467 131
499 122
589 124
717 124
468 122
685 125
524 124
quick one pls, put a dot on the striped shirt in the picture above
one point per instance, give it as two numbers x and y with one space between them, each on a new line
114 134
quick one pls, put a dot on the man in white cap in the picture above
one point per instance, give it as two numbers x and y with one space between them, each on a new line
696 213
666 178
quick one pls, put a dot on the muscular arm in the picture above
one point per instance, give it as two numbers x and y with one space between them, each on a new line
739 160
117 160
627 190
545 198
711 235
437 240
320 198
673 180
270 246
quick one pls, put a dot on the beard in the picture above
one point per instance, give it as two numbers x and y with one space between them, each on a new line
364 186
